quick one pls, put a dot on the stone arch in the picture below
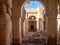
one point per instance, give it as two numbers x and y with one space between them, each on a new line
44 3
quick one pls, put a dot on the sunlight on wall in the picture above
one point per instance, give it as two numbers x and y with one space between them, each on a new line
58 20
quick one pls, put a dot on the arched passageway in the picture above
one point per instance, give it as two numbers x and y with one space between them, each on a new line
49 17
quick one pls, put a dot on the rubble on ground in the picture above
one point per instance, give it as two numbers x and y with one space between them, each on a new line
35 38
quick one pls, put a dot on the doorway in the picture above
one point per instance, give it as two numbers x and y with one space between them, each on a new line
32 26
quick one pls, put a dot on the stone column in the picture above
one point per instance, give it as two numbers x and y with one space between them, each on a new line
41 27
24 33
15 30
5 29
20 31
8 30
59 8
39 23
26 27
25 30
52 22
15 22
5 26
52 31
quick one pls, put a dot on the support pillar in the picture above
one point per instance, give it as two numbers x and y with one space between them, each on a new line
26 27
15 30
5 26
15 22
8 30
59 8
41 24
52 31
25 31
5 29
20 31
52 22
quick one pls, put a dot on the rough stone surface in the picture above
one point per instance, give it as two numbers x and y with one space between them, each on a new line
35 38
